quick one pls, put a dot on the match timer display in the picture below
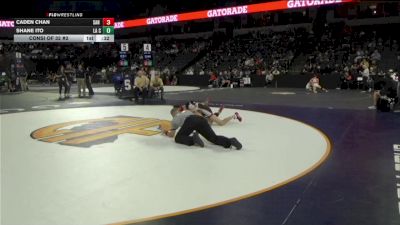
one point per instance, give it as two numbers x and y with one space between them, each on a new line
64 30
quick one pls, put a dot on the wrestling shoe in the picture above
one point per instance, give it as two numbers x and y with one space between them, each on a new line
238 117
197 140
220 109
236 143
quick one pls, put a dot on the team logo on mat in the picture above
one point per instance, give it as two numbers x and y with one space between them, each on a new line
85 133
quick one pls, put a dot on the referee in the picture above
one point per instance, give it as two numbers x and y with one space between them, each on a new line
189 123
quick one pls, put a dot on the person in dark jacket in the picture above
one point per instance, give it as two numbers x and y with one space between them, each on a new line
80 79
88 79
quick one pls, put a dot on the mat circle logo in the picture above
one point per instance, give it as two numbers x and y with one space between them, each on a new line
85 133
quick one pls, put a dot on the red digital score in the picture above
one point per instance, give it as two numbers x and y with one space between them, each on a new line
108 21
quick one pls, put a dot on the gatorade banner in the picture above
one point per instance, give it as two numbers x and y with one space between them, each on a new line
228 11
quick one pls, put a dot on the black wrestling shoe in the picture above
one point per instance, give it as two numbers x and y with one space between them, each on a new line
197 140
236 143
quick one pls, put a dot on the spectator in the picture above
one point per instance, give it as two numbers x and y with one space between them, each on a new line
213 81
141 85
275 72
23 79
201 72
80 78
376 55
366 77
156 85
88 80
269 78
174 80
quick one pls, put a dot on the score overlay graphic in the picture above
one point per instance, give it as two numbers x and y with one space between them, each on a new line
64 30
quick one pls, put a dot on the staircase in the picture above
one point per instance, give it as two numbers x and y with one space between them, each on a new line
193 61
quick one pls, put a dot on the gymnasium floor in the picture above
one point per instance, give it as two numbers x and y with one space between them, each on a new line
307 159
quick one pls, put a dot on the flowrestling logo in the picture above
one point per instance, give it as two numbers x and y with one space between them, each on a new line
86 133
304 3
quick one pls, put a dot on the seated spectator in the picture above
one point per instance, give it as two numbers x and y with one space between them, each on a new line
376 55
213 81
141 85
189 71
224 80
157 84
174 80
373 69
275 72
395 46
201 72
396 78
269 77
345 80
166 71
359 57
246 81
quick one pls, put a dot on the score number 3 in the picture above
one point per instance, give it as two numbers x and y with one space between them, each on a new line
108 21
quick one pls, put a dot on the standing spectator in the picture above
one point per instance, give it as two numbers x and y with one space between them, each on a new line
68 74
23 79
5 80
88 80
104 75
80 79
366 78
62 82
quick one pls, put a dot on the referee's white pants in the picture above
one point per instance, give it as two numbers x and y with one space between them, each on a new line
81 85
